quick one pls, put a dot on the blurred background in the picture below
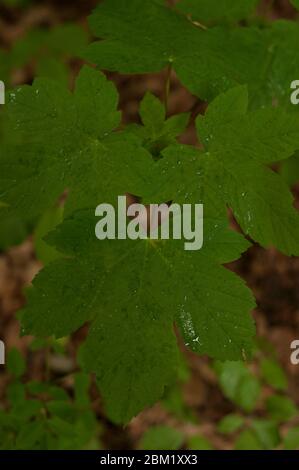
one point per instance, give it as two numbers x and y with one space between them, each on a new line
212 405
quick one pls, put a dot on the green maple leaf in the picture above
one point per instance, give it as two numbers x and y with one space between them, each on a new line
217 11
282 67
141 36
132 292
289 169
67 141
157 132
207 61
233 169
156 126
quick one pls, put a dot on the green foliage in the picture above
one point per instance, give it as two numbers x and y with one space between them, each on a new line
207 62
230 423
295 3
281 408
63 128
261 435
41 416
13 227
217 11
15 363
173 399
291 440
74 134
238 146
239 384
157 132
244 388
52 68
46 51
197 442
259 426
131 293
161 438
266 432
13 230
273 374
4 66
48 221
289 169
247 440
283 65
71 299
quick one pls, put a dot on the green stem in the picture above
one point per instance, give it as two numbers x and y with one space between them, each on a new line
167 88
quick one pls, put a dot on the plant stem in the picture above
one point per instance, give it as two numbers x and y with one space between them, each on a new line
167 88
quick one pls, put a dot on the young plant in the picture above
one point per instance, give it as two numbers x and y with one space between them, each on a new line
131 292
41 416
248 428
